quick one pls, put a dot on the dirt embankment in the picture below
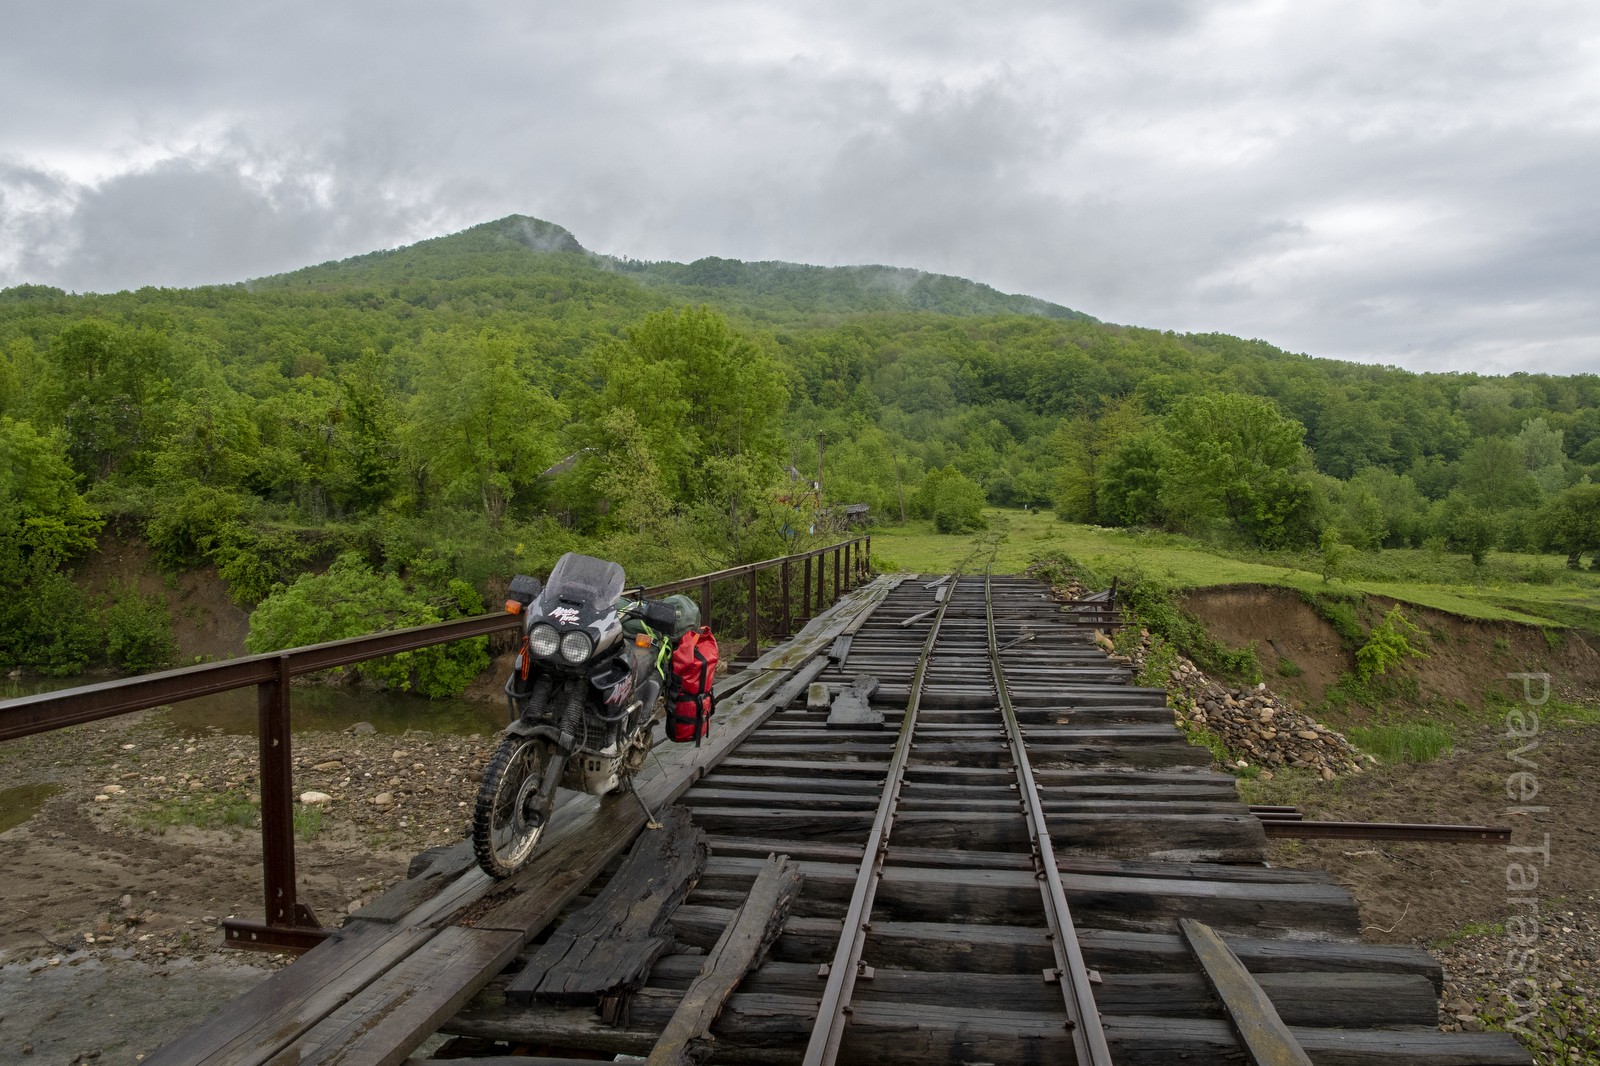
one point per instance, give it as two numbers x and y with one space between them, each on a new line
206 623
1466 658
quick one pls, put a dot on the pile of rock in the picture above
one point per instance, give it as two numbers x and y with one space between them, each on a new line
1257 727
1254 721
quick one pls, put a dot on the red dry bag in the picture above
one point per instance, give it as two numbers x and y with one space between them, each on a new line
694 667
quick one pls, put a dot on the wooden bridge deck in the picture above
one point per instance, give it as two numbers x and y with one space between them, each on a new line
957 957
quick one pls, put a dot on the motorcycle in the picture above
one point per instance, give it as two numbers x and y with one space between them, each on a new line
582 697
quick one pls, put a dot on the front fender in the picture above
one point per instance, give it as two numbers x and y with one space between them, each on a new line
524 728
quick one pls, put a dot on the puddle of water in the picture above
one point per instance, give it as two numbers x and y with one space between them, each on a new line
116 1006
19 804
320 708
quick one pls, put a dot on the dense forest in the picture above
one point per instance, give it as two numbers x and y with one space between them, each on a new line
407 428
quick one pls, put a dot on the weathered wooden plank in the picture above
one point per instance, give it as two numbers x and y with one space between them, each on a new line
764 1028
1007 895
1360 1000
519 1060
1149 1041
994 948
952 858
394 1014
1264 1036
1175 837
607 949
790 690
850 709
687 1040
254 1027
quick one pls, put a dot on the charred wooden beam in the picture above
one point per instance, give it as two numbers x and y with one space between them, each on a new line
687 1039
605 951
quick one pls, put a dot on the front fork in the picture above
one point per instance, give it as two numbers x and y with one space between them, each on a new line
571 718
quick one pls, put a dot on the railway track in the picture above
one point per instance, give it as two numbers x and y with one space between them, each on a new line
939 923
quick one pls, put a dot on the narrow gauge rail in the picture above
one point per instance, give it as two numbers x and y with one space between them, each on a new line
936 924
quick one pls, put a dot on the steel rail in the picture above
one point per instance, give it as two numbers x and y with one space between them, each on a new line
1281 826
1083 1017
745 569
828 1030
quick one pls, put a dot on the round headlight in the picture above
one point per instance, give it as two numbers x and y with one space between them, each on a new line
543 642
575 647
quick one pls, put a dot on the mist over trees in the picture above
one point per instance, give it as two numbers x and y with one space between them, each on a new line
429 420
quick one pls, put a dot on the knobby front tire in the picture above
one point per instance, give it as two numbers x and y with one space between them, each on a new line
506 826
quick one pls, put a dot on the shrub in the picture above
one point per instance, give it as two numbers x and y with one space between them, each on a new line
954 500
1387 645
138 630
1154 606
351 600
252 562
1335 555
1540 574
192 523
45 623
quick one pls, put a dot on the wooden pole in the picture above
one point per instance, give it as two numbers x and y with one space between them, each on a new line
898 489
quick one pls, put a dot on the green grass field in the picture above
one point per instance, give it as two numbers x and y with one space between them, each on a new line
1501 589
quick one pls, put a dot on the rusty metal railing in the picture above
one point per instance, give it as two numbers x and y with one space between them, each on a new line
290 925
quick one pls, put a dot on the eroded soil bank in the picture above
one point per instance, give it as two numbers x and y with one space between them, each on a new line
1455 899
1467 658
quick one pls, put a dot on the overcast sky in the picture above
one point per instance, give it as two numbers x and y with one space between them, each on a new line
1405 181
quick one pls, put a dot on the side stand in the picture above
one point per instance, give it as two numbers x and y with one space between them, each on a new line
650 819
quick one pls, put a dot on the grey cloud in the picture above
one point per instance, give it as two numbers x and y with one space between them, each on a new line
1398 183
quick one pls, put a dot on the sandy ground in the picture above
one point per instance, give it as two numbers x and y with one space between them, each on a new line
142 875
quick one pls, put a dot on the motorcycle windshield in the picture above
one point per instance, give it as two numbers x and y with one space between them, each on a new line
583 579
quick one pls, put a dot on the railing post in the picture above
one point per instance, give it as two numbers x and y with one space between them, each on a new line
786 630
753 648
822 578
836 573
868 569
290 925
805 593
705 603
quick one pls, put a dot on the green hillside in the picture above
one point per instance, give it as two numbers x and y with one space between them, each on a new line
399 410
777 292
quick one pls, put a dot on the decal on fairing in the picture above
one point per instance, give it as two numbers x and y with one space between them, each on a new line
568 615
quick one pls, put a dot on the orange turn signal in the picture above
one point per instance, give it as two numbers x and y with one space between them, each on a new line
513 607
642 640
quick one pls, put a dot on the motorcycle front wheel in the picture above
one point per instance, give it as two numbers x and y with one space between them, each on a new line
507 820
